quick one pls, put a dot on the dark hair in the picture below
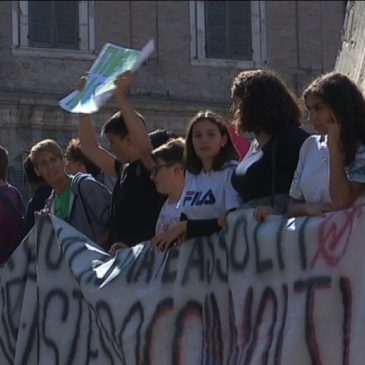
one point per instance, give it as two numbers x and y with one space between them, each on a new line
265 102
170 152
348 104
4 163
116 125
29 174
160 136
73 153
227 152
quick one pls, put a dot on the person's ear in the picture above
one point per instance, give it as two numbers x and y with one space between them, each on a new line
36 171
179 169
224 140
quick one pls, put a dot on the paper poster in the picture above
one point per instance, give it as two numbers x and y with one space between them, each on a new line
112 61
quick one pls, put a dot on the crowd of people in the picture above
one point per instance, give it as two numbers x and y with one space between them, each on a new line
169 189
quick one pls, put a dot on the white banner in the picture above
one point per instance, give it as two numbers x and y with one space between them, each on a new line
279 292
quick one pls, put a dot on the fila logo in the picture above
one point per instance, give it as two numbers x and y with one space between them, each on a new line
197 198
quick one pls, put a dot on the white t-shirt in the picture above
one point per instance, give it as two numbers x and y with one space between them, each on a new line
209 194
311 178
253 154
168 217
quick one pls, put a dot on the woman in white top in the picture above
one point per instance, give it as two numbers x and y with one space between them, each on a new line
331 170
208 195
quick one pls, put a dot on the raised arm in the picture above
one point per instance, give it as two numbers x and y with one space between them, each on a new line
89 144
91 149
137 130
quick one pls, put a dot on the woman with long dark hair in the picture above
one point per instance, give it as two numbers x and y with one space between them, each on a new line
331 169
263 105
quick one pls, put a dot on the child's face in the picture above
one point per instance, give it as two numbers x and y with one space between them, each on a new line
207 139
119 147
50 166
320 114
167 177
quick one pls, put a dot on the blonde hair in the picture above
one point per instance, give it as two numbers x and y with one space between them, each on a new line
46 145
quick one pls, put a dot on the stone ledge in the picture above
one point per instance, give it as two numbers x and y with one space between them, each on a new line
152 103
72 54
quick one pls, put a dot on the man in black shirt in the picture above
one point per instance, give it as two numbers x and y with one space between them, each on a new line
135 202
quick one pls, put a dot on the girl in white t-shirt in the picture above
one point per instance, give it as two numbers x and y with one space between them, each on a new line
331 169
208 195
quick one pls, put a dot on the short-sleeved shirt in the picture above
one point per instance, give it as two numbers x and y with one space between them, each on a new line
169 216
253 178
62 203
208 195
311 178
135 205
11 213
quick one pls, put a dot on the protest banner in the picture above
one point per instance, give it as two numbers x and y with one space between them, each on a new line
277 292
112 61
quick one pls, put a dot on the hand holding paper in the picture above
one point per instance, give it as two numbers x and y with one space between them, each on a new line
112 61
81 83
123 84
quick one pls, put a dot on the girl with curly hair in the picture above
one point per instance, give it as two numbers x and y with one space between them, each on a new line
331 170
263 105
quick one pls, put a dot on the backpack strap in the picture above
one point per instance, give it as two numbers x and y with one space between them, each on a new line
79 193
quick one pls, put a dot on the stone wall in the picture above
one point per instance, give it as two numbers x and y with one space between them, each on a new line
351 55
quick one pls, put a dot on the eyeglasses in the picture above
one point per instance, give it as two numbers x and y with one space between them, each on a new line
155 169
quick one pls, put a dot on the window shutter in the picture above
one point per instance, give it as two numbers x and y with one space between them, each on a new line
240 30
66 14
228 30
39 23
215 29
54 24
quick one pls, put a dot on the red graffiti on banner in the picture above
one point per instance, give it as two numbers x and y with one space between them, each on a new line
334 235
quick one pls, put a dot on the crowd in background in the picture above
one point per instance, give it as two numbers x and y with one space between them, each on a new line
169 189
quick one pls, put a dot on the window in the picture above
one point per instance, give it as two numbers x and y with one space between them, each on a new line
53 24
53 27
228 33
